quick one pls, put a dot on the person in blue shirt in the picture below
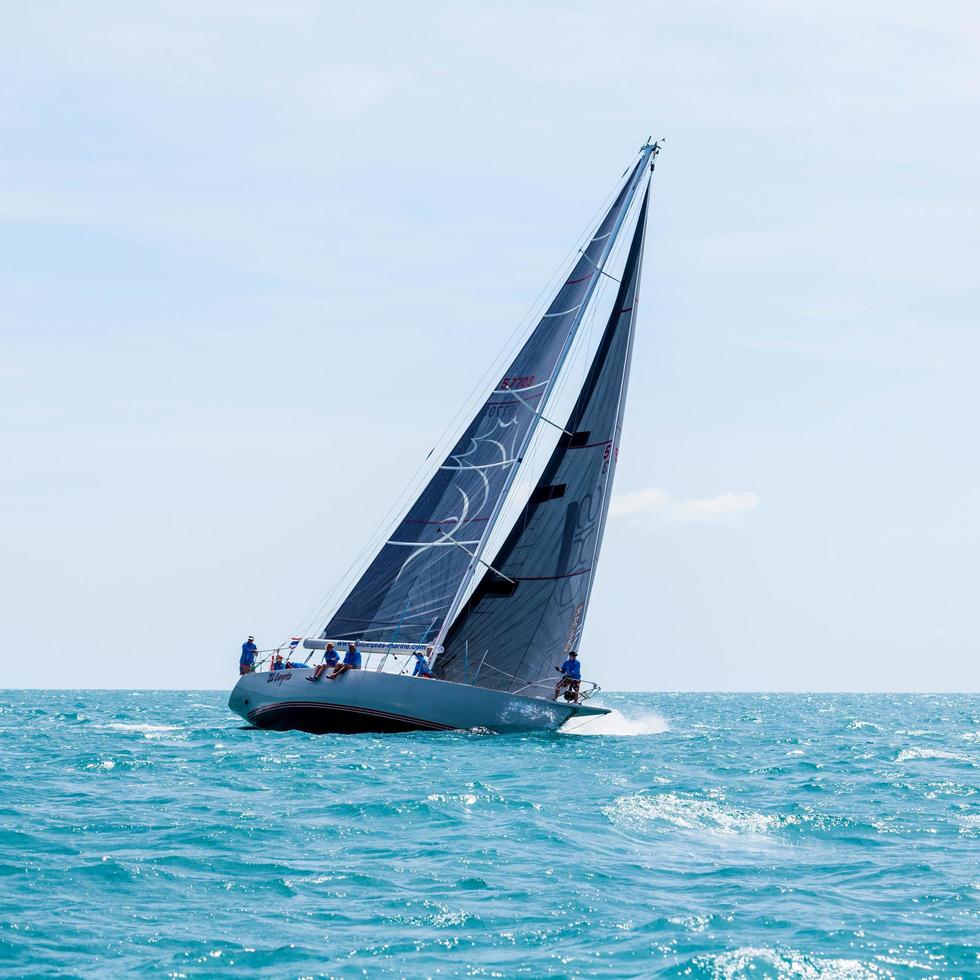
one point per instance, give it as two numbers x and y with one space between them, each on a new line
421 666
277 663
247 663
571 677
330 659
352 661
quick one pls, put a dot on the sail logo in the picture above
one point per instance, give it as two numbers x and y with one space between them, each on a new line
278 676
521 381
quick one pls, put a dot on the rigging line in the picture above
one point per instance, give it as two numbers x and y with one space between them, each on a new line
523 488
587 344
599 306
520 493
611 260
582 348
543 418
398 628
618 217
529 317
509 347
514 509
602 272
374 541
621 397
616 255
473 555
563 730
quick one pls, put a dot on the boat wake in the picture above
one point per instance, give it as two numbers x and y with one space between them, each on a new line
615 723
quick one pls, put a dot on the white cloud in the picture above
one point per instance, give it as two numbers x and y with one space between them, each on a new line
667 509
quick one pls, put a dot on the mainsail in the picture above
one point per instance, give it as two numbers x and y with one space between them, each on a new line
410 590
529 608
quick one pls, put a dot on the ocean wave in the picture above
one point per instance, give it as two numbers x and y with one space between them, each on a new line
763 962
69 716
692 923
706 852
142 727
644 812
969 823
909 755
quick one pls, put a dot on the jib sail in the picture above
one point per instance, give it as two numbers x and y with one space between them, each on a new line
528 611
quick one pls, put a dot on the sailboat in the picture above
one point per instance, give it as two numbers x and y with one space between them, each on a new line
492 630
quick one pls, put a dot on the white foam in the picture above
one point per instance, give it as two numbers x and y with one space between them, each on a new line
969 823
615 723
693 923
787 963
906 755
467 799
644 812
122 726
104 764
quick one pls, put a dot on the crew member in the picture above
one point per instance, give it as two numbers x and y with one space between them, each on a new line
422 668
330 659
247 663
571 676
277 663
352 661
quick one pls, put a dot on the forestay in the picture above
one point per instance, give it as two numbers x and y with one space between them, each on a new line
408 591
527 612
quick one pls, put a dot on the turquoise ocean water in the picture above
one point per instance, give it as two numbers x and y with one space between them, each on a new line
695 835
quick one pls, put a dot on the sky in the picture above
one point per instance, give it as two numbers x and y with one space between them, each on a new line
254 257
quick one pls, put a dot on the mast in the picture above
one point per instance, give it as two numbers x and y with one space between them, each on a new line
648 153
414 585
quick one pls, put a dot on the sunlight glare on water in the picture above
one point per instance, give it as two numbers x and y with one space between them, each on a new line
722 836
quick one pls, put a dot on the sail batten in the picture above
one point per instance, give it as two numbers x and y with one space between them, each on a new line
413 597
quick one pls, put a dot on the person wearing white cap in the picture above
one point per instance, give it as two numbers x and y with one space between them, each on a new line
247 663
